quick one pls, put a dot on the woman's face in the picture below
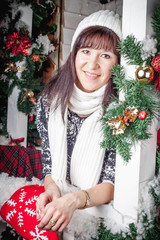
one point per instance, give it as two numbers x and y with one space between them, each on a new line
93 68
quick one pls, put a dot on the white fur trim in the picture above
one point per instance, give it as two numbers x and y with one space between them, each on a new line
9 185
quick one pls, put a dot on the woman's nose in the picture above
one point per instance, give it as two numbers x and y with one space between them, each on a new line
93 62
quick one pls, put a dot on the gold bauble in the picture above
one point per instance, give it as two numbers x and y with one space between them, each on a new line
144 74
29 93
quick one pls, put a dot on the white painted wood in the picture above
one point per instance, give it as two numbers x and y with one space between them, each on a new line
65 52
108 211
71 20
17 121
67 35
84 7
131 177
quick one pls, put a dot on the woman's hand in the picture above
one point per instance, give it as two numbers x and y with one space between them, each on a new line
58 213
42 201
51 193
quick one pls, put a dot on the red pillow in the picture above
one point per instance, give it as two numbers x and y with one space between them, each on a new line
20 212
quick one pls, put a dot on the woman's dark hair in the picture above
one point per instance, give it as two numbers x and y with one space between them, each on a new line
61 85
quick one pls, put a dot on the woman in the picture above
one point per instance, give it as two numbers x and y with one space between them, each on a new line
69 121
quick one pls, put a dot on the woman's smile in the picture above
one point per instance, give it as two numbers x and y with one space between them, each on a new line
91 75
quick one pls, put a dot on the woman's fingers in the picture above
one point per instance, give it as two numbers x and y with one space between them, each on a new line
47 216
57 214
62 226
41 203
38 212
53 220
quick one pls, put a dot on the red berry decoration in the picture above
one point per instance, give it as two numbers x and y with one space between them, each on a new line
142 115
156 63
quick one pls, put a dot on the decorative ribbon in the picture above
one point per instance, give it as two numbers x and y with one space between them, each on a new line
14 142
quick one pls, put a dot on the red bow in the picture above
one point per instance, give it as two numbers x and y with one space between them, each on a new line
14 142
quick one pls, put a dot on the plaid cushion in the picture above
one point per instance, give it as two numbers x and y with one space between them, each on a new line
20 161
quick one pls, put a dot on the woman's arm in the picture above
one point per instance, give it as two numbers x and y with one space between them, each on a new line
60 209
100 194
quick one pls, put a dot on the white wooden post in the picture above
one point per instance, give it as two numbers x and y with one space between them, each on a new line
17 121
131 177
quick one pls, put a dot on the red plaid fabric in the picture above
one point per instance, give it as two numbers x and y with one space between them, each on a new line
20 161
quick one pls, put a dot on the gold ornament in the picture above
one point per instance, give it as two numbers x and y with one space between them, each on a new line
130 114
144 74
117 124
11 67
28 94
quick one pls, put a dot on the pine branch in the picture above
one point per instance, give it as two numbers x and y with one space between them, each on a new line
131 50
156 20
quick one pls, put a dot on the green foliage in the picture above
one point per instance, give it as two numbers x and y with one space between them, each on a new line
24 105
32 134
104 234
156 25
130 48
152 231
31 76
143 97
157 161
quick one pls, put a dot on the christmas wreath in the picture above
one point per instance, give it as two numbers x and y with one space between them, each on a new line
126 121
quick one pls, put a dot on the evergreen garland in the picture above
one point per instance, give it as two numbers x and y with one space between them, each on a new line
122 123
156 25
137 95
130 48
22 69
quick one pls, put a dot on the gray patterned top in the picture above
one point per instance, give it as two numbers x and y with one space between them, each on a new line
73 127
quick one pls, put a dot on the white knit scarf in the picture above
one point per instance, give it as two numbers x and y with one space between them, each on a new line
87 156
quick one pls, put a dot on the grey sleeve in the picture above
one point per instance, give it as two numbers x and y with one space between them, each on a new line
42 127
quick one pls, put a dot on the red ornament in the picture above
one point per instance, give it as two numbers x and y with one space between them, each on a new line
157 81
32 99
35 58
156 63
158 139
18 42
142 115
31 118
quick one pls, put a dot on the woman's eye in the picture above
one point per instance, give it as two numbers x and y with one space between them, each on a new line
105 56
85 51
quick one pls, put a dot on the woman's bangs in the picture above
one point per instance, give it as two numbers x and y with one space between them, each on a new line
99 40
